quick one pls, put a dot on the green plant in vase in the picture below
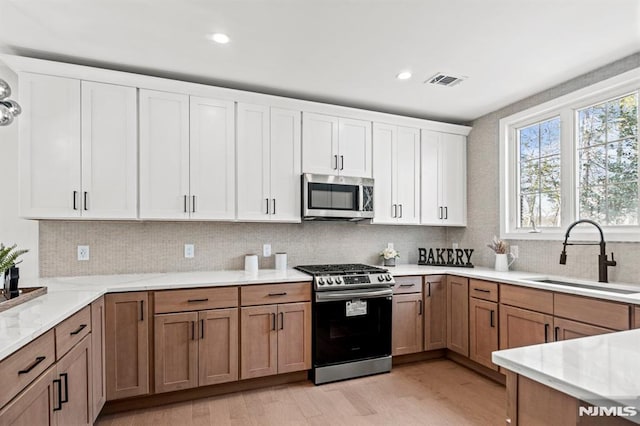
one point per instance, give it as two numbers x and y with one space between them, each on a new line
8 261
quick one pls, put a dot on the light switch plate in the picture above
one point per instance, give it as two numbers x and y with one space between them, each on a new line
189 251
83 252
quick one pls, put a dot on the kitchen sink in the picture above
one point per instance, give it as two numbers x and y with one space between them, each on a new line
587 286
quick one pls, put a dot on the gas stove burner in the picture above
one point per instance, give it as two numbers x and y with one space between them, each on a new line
346 276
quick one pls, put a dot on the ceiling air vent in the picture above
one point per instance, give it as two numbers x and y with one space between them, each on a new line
441 79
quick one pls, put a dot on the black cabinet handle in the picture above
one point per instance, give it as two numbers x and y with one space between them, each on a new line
193 330
86 201
66 388
400 209
395 210
278 294
142 310
428 289
267 200
336 158
342 162
186 200
198 300
407 285
556 332
491 318
546 333
78 330
58 384
273 321
193 203
281 320
33 365
202 329
446 212
440 213
419 307
482 290
274 206
75 200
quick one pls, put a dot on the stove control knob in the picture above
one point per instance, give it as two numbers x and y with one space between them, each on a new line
320 281
380 278
329 281
338 280
388 277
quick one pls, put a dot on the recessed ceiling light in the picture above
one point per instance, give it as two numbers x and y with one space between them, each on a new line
404 75
220 38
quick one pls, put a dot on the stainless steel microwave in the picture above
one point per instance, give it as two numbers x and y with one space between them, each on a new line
328 197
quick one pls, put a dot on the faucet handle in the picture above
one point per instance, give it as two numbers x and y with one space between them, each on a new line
612 262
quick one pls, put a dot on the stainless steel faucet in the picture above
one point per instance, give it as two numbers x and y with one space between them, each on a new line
603 262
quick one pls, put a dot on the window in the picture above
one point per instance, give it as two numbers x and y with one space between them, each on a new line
575 157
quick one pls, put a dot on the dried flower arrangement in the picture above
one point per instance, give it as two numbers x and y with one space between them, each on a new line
498 246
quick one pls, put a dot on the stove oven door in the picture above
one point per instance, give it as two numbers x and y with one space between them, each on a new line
351 325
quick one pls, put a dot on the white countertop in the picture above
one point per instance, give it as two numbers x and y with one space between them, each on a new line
600 370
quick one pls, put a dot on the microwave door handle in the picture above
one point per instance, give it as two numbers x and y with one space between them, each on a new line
361 198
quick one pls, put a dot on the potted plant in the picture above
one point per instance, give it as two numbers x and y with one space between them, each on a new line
389 256
8 261
501 248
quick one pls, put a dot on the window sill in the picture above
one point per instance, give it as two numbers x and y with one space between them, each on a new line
610 235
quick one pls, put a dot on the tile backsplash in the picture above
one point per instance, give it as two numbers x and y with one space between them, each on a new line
139 247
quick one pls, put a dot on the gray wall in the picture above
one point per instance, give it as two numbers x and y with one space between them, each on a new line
483 197
131 247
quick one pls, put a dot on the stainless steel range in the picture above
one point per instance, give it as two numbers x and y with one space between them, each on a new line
351 320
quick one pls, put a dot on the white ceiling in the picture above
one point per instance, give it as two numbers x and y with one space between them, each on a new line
340 51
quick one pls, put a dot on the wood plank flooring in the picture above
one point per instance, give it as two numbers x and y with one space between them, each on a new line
438 392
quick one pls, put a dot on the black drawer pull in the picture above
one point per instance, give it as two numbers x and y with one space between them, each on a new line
78 330
278 294
407 285
33 365
482 290
491 314
546 333
66 388
198 300
58 384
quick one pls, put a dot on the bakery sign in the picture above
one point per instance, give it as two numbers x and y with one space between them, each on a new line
445 257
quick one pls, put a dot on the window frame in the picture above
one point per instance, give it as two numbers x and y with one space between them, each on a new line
566 108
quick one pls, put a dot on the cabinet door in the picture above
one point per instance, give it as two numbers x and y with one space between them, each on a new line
49 146
212 155
176 351
286 165
453 178
254 203
74 371
99 389
407 323
407 160
564 329
164 155
458 315
431 211
354 147
483 331
127 344
521 327
435 312
385 207
218 346
294 337
33 406
319 144
259 341
109 151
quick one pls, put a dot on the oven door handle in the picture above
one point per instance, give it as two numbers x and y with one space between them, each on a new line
349 295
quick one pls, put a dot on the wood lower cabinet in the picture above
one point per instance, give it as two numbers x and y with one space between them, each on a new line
435 312
195 349
564 329
34 406
407 324
99 388
275 339
458 315
483 331
74 373
127 344
521 327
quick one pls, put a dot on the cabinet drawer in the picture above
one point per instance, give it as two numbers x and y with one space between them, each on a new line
528 298
485 290
592 311
195 299
408 285
70 331
24 365
275 293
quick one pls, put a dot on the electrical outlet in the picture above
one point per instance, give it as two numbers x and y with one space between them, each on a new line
83 252
390 246
189 251
515 252
266 250
454 246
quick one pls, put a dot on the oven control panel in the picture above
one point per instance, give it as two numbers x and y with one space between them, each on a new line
334 282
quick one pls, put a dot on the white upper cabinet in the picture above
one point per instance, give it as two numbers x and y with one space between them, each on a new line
78 149
444 179
109 151
396 172
164 155
336 146
213 159
268 164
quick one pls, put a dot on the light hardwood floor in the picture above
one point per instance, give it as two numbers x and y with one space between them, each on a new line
437 392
